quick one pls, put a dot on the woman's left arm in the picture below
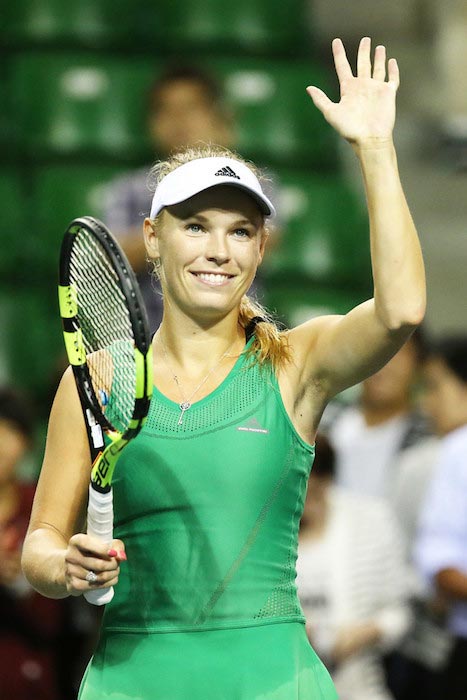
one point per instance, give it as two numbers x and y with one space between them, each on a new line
340 351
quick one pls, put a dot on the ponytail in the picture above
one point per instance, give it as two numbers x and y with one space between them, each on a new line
270 344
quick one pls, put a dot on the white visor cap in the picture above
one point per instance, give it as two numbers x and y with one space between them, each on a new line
200 174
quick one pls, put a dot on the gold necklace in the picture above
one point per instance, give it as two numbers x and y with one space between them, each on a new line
185 404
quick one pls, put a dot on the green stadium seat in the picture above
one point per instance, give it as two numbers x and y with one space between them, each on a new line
7 119
324 231
93 23
31 342
60 193
13 202
277 121
265 26
81 104
294 303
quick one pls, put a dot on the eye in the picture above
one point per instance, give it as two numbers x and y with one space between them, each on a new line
242 233
194 228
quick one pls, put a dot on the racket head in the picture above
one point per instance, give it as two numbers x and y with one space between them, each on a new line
105 328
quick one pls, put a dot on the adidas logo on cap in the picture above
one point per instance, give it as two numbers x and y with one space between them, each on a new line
226 172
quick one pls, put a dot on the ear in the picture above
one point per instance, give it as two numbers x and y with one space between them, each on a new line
262 243
151 239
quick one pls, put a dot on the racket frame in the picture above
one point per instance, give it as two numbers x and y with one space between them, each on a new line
104 457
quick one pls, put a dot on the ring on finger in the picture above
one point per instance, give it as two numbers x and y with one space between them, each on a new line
91 577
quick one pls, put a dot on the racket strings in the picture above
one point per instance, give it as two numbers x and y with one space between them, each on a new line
106 329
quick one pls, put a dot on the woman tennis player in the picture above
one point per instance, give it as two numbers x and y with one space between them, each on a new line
209 495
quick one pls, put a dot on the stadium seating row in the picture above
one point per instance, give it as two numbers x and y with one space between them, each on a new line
323 221
77 104
260 26
73 83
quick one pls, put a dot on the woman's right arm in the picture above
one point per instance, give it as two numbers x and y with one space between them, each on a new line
56 554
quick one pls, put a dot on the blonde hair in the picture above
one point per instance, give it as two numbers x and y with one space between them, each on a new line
270 344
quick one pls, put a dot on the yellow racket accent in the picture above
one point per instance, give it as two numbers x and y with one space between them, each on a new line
67 301
75 347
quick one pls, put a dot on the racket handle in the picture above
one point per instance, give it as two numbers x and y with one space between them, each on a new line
100 524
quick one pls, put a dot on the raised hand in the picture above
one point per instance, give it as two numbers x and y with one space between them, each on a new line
367 107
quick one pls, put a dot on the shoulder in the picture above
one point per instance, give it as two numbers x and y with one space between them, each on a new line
371 517
128 188
453 454
129 181
421 456
418 429
456 441
303 337
303 342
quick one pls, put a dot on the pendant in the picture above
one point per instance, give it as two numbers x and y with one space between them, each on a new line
184 406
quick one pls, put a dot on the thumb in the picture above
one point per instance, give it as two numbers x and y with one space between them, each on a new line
320 99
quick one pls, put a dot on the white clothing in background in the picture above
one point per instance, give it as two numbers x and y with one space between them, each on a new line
355 573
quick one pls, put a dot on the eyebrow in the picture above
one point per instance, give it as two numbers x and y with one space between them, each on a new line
238 222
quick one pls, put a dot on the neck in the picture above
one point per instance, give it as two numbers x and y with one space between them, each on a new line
376 415
196 344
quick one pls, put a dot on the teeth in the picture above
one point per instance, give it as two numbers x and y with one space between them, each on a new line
212 277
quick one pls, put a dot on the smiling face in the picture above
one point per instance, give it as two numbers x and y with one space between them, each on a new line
209 248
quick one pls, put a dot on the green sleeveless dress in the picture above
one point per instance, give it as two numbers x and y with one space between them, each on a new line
206 606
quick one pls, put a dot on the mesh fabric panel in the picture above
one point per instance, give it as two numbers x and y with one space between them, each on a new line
236 399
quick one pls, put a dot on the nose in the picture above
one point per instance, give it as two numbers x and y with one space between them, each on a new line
217 248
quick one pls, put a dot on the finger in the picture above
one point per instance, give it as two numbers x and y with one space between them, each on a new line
363 58
393 72
89 545
77 582
78 572
119 548
379 66
320 99
103 580
343 69
93 563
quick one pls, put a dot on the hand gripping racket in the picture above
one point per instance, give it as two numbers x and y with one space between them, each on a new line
107 340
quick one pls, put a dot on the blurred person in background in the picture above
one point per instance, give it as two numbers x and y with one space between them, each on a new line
450 53
369 436
351 581
31 626
373 440
441 548
186 107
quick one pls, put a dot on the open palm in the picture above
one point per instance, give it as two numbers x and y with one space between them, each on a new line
367 108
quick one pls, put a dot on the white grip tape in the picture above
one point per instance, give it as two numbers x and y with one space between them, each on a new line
100 524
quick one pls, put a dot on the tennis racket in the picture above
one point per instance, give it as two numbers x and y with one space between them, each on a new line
107 340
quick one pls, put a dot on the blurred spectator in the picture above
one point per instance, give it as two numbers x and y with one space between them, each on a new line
185 107
450 22
370 436
441 550
351 581
416 668
34 635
